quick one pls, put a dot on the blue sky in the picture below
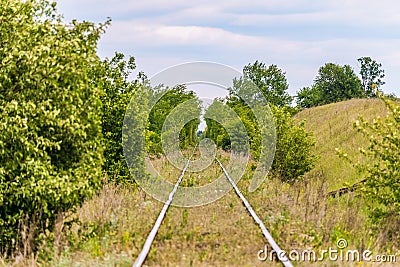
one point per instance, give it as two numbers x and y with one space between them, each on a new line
297 35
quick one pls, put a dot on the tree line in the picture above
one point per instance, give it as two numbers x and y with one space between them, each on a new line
335 83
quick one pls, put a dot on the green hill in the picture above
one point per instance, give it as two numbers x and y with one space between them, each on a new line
332 126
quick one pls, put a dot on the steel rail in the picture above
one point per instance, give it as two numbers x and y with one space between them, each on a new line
146 247
280 253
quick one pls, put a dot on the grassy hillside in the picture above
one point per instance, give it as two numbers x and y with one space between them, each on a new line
332 126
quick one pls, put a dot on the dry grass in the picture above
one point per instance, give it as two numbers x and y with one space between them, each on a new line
115 224
221 233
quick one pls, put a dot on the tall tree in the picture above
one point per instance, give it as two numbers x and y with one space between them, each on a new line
271 81
337 83
293 154
372 76
333 83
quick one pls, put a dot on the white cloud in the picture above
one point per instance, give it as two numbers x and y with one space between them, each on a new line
147 35
242 12
352 13
161 35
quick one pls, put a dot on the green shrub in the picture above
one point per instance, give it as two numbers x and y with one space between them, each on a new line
333 83
118 92
382 172
50 141
293 156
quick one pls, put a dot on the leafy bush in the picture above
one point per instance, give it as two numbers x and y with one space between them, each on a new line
117 94
309 97
293 156
50 142
382 186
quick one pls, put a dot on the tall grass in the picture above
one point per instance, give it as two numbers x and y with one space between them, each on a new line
332 126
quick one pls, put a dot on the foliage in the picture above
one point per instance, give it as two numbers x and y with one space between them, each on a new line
249 120
337 83
216 132
333 83
260 85
382 186
226 131
117 94
50 142
371 76
392 96
293 156
170 99
188 134
271 82
308 97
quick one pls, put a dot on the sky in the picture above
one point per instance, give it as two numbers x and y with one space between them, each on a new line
299 36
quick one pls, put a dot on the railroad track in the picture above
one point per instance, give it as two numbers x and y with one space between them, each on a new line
147 245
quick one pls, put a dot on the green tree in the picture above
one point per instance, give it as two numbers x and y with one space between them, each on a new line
271 82
261 85
171 98
308 97
224 127
50 118
337 83
188 134
371 76
216 132
333 83
293 155
249 120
